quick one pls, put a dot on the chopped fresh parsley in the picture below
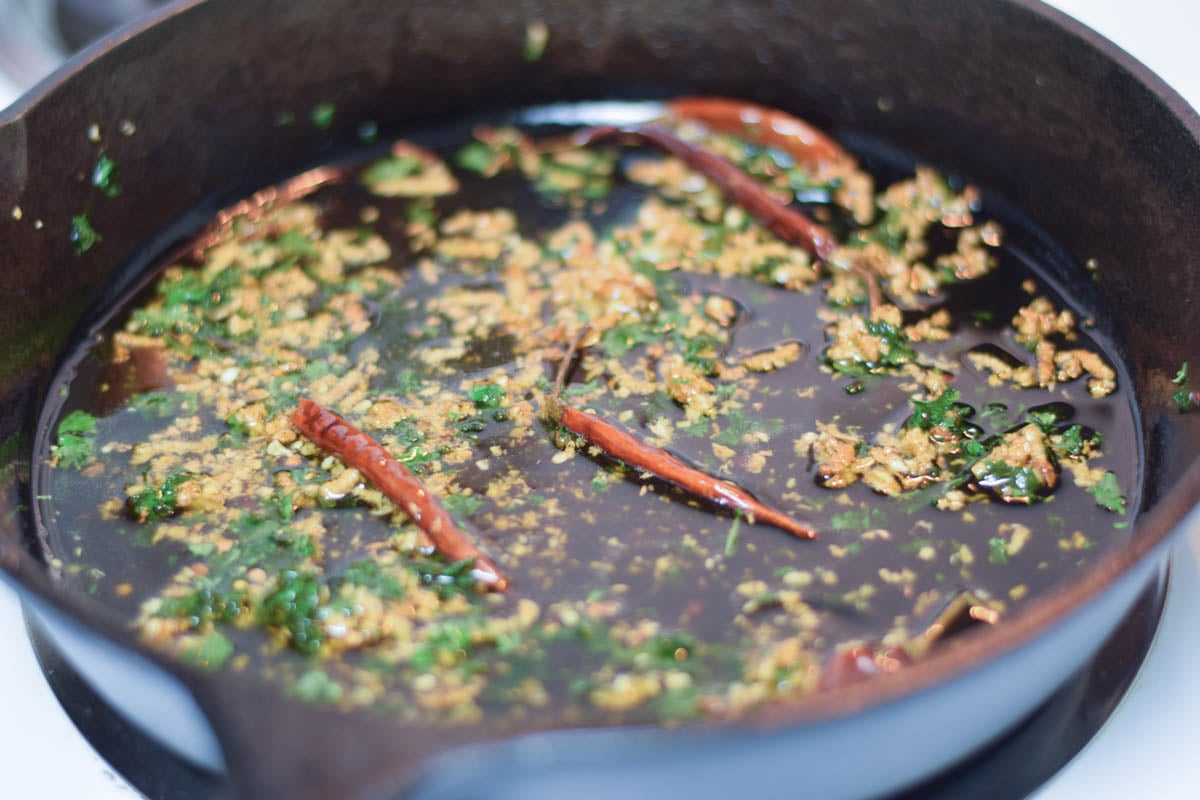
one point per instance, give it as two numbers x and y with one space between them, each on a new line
1185 400
487 395
83 234
1046 417
575 173
446 578
997 550
1108 493
1075 441
1012 484
476 156
374 578
104 176
537 35
295 606
858 519
392 168
944 411
322 115
625 336
409 381
463 505
76 434
315 686
205 605
209 651
739 425
732 537
157 502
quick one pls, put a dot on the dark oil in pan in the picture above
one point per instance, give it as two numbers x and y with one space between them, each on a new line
618 534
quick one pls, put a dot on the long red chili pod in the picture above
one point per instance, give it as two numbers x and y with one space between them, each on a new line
626 447
623 446
767 126
331 432
786 223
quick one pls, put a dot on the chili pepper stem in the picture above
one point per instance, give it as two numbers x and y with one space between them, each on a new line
564 368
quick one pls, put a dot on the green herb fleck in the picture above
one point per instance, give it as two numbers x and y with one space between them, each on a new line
446 579
1185 400
487 395
858 519
375 579
1108 493
1044 418
572 174
739 425
997 550
209 651
1075 442
623 337
157 502
1012 484
679 704
537 35
76 433
409 381
368 131
322 115
732 537
390 169
104 176
476 156
944 411
315 686
83 234
204 606
295 606
463 505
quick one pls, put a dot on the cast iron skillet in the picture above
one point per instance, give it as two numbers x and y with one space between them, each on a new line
1020 99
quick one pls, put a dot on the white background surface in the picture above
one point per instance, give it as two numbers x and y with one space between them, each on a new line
1149 748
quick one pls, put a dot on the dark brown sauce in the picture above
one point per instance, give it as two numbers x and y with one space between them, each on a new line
621 529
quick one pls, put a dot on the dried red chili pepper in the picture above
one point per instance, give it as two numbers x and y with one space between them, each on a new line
627 448
854 665
331 432
785 222
768 126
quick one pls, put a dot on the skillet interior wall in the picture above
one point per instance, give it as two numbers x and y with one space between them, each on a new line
207 90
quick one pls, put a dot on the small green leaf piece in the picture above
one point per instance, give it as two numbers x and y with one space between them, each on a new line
76 432
1108 493
83 234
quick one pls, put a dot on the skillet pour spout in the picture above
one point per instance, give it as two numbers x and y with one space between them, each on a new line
209 101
